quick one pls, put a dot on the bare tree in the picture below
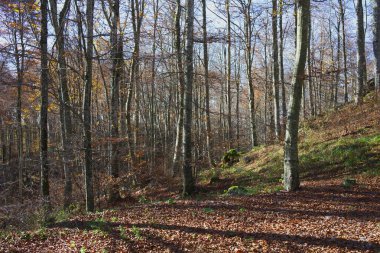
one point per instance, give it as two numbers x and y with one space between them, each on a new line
181 84
188 179
249 54
276 73
291 163
281 56
44 104
137 10
117 68
229 98
87 142
344 48
207 85
360 42
59 21
376 41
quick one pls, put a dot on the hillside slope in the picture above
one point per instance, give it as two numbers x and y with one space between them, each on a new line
340 144
324 216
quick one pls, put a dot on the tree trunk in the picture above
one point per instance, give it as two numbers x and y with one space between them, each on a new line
137 17
20 60
376 41
310 74
342 19
337 74
237 78
282 72
117 68
188 179
44 104
64 98
276 74
88 170
153 90
207 86
3 141
361 64
291 164
181 80
229 99
249 54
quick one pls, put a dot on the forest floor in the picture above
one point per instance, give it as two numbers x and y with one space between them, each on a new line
336 210
322 217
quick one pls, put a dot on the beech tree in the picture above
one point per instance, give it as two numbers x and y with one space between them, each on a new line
59 24
44 103
206 81
376 41
276 73
181 85
117 68
361 58
291 163
87 142
188 179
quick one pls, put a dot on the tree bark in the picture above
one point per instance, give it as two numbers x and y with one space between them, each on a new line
153 89
342 19
88 170
337 74
282 71
276 76
20 65
376 41
59 21
44 104
137 17
310 73
229 99
291 163
249 54
188 179
117 68
361 59
207 85
181 82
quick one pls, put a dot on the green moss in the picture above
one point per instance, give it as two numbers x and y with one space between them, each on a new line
230 157
349 182
236 190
